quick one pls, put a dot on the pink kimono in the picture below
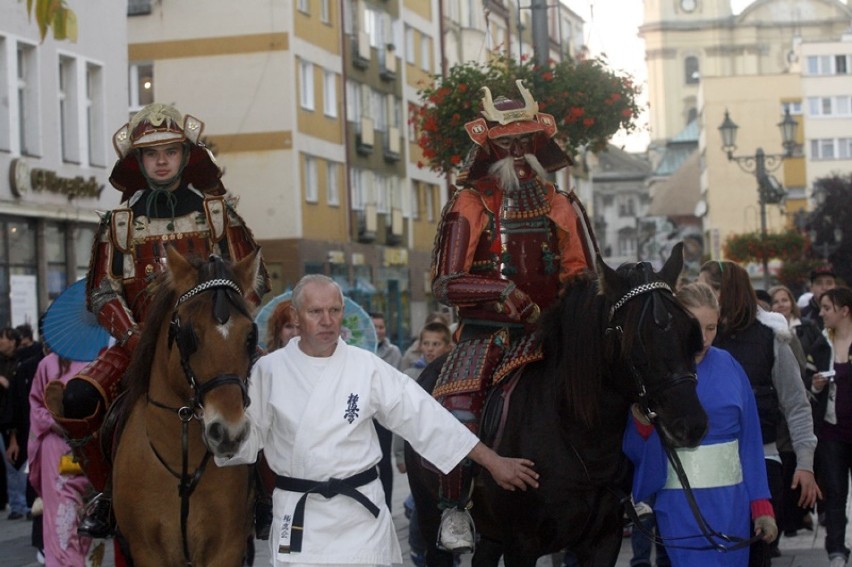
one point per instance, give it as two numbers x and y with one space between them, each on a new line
62 494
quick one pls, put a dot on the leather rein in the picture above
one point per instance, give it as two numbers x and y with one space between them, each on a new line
184 337
645 397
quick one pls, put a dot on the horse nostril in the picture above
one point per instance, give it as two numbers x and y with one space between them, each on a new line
215 432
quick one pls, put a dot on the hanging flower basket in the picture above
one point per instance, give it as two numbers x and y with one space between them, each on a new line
754 246
589 101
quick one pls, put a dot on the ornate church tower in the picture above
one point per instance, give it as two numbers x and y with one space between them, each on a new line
682 40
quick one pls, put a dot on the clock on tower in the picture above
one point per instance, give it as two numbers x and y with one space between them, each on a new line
688 5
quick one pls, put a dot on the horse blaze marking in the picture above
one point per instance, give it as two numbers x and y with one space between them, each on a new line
224 330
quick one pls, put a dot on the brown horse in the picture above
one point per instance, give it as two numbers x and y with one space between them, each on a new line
608 342
185 402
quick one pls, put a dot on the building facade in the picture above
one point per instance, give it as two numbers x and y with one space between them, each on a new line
310 126
688 40
63 102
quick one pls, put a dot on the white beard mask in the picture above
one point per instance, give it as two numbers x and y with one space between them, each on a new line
504 171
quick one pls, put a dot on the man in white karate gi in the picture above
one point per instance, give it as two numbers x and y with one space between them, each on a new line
312 408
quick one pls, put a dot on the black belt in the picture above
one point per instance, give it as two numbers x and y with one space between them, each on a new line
328 488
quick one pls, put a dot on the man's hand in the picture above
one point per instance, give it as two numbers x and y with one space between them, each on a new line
4 382
13 449
509 473
810 489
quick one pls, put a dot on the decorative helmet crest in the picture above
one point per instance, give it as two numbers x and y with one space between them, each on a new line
506 117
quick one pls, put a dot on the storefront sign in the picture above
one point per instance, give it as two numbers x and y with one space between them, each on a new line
25 180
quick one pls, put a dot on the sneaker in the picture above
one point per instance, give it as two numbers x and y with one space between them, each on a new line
837 561
14 516
642 510
456 531
40 557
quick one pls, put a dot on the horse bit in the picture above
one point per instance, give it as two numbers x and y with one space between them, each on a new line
187 344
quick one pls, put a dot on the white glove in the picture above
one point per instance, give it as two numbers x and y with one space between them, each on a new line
766 526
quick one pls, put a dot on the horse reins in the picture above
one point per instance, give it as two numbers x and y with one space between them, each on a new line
186 341
707 532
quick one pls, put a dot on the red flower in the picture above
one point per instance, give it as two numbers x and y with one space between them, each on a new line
419 164
455 159
627 113
588 122
547 76
462 88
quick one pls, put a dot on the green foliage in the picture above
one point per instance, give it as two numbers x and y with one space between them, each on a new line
589 101
56 15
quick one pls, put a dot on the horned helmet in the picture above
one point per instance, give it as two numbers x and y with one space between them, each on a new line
511 127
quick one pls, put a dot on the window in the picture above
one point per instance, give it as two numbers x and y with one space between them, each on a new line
95 110
380 111
626 206
353 101
690 70
28 113
306 85
415 199
822 149
141 85
626 243
844 148
329 91
69 119
425 53
413 134
428 204
410 56
820 65
381 194
325 11
840 64
5 114
304 6
357 189
332 183
830 106
311 181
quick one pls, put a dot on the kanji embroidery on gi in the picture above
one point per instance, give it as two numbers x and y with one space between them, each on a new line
351 408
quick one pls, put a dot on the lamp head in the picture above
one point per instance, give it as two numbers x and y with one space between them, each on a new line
728 130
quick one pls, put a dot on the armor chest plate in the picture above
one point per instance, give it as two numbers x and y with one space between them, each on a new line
189 234
520 245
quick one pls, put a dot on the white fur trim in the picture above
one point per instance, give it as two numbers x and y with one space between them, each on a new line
776 322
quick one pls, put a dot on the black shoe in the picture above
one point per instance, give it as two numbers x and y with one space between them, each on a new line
98 522
14 516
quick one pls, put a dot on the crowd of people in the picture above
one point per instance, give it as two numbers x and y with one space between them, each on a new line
775 378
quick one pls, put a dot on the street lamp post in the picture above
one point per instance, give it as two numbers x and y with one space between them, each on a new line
769 190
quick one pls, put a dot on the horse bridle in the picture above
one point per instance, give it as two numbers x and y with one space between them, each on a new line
187 344
646 395
645 398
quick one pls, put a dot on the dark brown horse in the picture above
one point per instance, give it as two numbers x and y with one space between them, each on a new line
185 403
607 344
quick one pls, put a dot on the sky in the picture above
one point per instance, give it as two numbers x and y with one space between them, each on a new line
612 28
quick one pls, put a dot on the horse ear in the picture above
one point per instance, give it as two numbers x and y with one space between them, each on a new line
183 275
611 284
247 270
674 266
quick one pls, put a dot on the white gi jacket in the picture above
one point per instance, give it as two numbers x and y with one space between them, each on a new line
313 419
